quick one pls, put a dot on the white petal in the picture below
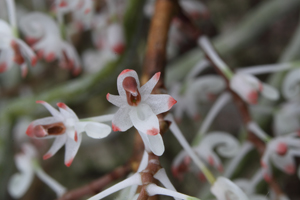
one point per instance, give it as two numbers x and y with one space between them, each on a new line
56 145
290 86
269 92
286 163
71 149
156 144
52 110
19 184
160 103
147 88
124 74
97 130
66 111
144 119
121 120
115 99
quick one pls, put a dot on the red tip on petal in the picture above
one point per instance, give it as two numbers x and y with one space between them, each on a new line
125 71
77 71
46 156
263 164
30 40
153 131
68 163
24 71
211 160
298 133
176 173
107 96
281 148
34 60
115 128
290 169
40 101
267 178
50 57
171 102
62 105
260 87
187 160
29 130
252 97
87 11
63 4
3 67
76 136
156 76
119 48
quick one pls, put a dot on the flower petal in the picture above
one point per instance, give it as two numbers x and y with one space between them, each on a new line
269 92
143 119
147 88
121 120
71 149
286 163
56 145
52 110
124 74
156 144
35 130
19 184
66 111
160 103
115 99
96 130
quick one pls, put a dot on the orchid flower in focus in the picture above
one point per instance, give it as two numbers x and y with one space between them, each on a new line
249 87
224 189
66 128
27 164
138 108
14 50
281 151
44 35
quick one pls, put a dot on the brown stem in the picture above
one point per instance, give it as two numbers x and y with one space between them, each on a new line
246 117
97 185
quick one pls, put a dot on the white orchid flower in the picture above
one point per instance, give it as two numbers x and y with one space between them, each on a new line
224 189
14 50
45 35
138 108
66 128
281 151
249 87
27 165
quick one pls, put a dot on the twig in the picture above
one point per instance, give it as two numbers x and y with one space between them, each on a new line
97 185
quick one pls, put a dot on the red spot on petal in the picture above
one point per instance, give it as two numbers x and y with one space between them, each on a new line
298 133
76 136
252 97
24 71
267 178
68 163
63 4
40 54
211 160
290 169
220 168
30 40
50 57
40 101
107 96
263 164
281 148
156 76
171 102
77 71
3 67
34 60
87 11
46 156
62 105
125 71
118 49
153 131
115 128
201 176
260 87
